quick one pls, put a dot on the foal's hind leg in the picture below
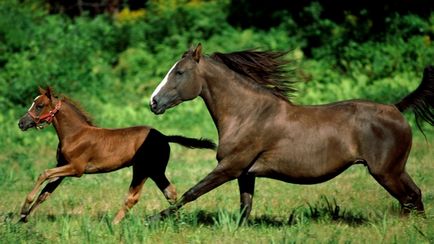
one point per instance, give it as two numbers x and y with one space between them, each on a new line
166 187
133 194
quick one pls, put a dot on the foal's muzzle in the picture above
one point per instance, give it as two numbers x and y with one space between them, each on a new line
26 122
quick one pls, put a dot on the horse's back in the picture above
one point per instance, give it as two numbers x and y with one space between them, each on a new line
358 113
372 128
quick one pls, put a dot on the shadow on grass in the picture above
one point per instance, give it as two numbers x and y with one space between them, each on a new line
329 210
324 210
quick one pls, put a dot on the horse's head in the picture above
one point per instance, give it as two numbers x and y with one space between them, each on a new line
181 83
40 112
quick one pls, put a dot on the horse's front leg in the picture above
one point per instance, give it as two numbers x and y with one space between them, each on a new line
246 184
66 170
228 169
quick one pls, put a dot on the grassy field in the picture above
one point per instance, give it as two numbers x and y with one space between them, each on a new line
352 208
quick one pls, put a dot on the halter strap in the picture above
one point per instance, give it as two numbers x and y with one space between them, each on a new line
48 117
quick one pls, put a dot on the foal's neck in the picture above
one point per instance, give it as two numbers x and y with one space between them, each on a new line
67 122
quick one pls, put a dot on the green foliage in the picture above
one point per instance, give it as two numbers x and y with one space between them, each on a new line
94 55
183 22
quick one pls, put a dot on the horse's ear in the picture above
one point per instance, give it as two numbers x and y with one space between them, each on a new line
197 52
48 92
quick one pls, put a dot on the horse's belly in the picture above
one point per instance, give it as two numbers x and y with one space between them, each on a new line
304 168
297 177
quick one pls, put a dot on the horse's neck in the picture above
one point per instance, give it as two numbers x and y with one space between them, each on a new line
229 99
68 122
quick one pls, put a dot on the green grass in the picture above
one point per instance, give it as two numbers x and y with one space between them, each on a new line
113 67
351 208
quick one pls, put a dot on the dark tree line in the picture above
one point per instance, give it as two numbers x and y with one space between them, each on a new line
265 14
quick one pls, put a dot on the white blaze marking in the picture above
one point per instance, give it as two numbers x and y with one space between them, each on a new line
34 100
162 83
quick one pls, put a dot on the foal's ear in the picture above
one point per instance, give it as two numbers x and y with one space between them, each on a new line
41 90
197 52
48 92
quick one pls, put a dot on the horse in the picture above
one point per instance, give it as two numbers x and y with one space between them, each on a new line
86 149
263 134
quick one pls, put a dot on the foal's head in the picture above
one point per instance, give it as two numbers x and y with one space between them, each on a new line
41 112
181 83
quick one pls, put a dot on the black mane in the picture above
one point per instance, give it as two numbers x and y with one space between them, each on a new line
265 68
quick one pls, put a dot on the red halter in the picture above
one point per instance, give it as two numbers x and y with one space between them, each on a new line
48 117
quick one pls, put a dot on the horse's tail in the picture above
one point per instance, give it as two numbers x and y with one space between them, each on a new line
421 100
192 142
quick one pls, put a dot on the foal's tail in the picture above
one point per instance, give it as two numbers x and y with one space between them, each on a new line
191 142
421 100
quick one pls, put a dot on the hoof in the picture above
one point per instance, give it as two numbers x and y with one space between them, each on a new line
154 218
162 215
23 219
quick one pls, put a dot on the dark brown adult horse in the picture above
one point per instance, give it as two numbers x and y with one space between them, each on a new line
263 134
86 149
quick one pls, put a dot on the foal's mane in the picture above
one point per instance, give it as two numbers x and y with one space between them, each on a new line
264 68
77 108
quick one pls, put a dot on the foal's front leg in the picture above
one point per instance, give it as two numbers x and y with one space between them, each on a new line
66 170
45 193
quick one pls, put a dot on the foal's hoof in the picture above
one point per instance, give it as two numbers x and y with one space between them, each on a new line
23 219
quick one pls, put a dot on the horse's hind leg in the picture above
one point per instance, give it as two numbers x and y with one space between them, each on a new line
133 194
399 184
414 195
246 184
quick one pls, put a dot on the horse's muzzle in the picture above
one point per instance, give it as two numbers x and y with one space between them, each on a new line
156 108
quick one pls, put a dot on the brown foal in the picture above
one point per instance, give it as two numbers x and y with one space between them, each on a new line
86 149
263 134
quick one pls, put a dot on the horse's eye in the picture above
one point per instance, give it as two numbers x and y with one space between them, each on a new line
179 72
40 106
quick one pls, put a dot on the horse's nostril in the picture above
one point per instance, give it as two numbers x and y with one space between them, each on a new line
154 103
